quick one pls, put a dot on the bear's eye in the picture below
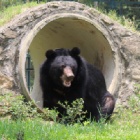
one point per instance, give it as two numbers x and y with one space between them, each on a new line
63 66
72 67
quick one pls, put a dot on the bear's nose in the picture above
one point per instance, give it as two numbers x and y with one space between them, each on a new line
70 77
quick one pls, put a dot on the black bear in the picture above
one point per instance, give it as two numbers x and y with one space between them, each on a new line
65 75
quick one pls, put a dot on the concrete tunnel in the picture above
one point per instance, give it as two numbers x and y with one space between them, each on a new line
68 30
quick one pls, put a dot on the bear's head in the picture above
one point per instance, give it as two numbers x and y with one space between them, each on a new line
63 65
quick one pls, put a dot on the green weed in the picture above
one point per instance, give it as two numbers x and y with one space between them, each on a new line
17 108
74 111
124 128
127 22
8 13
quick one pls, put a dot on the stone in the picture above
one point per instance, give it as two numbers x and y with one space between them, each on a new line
5 82
9 33
136 73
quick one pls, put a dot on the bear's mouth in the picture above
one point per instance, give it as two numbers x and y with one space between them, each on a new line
67 80
67 83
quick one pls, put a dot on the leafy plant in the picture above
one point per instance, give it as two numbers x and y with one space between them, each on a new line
20 109
51 115
74 111
15 106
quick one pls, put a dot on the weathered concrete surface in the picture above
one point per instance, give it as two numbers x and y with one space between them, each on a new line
124 43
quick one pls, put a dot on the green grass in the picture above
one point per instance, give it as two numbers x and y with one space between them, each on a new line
126 22
8 13
124 127
130 24
25 123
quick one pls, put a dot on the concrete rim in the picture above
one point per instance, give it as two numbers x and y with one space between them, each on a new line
28 38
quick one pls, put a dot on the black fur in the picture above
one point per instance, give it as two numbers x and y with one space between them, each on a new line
89 84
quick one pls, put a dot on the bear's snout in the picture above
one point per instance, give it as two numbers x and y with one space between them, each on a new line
68 73
67 76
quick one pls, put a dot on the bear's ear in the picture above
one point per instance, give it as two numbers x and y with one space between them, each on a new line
75 51
50 54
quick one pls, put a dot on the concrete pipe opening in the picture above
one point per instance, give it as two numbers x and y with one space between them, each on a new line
67 31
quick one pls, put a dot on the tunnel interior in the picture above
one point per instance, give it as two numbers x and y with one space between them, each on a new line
69 32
